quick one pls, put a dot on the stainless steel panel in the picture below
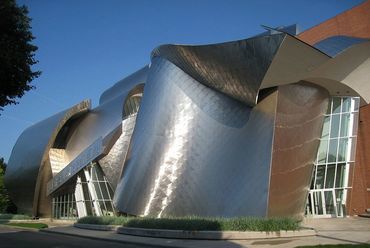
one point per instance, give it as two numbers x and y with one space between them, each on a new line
299 120
196 151
112 163
30 157
139 77
234 68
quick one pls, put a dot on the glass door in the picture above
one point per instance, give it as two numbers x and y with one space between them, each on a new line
322 203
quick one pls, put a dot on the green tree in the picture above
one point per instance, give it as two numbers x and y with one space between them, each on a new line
6 205
16 53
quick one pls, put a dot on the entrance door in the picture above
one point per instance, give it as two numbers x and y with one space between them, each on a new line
322 203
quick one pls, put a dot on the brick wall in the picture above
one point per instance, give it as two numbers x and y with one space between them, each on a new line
353 22
358 199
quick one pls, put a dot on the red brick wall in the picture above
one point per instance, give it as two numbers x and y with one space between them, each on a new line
359 198
353 22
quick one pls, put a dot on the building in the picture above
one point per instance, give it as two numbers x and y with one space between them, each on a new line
273 125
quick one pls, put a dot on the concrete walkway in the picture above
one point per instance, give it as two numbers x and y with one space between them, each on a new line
330 231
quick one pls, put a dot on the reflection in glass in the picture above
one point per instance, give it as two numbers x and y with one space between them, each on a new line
336 104
320 177
333 145
318 203
330 173
329 202
325 128
339 199
344 125
342 152
340 175
346 106
322 151
334 126
335 155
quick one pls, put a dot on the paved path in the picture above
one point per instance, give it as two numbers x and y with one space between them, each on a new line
18 238
330 231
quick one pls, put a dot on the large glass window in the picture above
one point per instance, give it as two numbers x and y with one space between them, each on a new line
334 157
64 206
93 196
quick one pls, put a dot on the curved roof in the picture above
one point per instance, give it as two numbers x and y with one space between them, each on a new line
240 69
30 152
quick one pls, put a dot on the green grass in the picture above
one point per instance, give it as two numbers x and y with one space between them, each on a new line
29 225
194 223
14 217
337 246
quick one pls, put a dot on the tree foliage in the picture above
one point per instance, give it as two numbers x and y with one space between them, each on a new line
6 205
16 52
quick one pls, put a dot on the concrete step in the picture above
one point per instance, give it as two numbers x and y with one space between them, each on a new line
366 215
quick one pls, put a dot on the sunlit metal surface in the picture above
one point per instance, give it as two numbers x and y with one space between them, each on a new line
234 68
191 151
299 118
30 157
125 84
112 163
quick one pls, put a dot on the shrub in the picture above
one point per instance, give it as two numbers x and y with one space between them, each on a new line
14 217
195 223
104 220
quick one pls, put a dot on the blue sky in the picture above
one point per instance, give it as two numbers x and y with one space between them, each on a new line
85 46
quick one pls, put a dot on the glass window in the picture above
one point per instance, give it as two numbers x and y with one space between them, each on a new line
321 158
356 103
334 126
342 152
329 202
330 173
344 125
320 177
346 106
340 175
328 111
333 145
336 105
355 125
325 128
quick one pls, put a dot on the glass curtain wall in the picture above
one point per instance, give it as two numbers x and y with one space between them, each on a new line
64 206
336 154
93 196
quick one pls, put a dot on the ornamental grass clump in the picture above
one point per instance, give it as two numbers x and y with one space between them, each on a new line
196 223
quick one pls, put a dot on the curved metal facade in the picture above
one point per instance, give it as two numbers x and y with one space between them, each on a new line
30 156
228 129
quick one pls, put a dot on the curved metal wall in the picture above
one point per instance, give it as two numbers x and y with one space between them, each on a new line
29 156
234 68
195 151
299 119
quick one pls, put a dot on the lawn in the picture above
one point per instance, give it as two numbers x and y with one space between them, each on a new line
28 225
194 223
